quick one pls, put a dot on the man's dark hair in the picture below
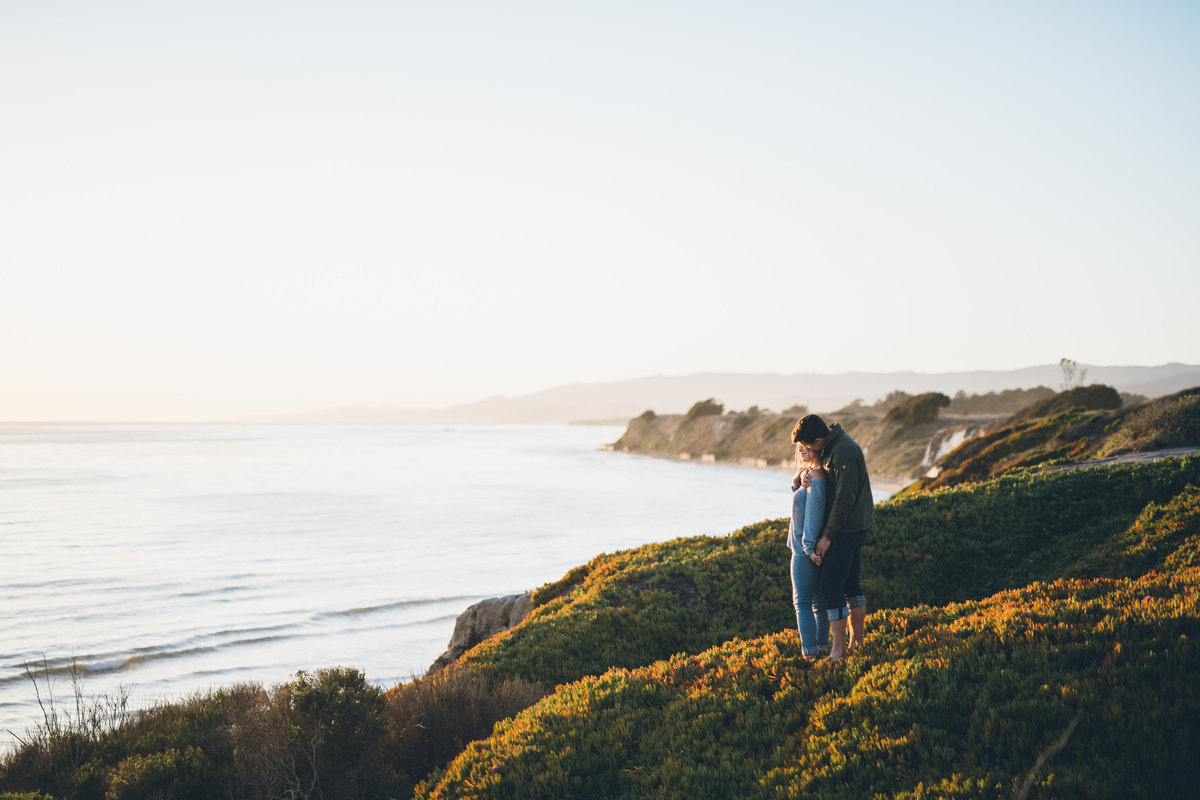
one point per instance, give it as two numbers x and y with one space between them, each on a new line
810 428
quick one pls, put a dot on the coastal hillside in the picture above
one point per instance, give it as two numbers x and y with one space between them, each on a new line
1031 635
1072 688
931 440
902 435
634 607
1084 424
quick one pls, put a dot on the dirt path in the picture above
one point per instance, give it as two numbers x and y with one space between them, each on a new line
893 485
1141 458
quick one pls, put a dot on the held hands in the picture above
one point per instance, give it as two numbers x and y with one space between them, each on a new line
822 546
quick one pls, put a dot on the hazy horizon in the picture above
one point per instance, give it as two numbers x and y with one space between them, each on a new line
235 209
742 390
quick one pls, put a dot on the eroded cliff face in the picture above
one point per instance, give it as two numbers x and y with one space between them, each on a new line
760 440
894 450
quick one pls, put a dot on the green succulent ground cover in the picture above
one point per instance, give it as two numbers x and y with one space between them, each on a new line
971 674
1032 633
631 608
642 605
966 700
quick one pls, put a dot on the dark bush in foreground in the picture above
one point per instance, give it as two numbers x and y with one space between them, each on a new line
319 735
435 717
169 775
327 734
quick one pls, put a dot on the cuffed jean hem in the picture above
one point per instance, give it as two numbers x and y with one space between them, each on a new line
839 613
851 602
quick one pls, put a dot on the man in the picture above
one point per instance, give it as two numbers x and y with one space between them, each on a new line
851 515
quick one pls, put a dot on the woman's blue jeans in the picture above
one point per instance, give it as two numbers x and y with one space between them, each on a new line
811 619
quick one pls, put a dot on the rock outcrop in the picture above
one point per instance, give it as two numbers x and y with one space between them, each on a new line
482 621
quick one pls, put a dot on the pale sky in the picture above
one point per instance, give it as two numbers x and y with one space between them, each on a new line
224 208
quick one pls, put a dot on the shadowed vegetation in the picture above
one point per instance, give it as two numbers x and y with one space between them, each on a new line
1034 633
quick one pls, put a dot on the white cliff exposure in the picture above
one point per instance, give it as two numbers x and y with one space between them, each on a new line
945 440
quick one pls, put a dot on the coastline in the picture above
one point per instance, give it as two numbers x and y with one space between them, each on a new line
888 485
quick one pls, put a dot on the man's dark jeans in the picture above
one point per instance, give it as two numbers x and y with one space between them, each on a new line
841 574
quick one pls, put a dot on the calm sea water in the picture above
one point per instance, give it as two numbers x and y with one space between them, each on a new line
170 559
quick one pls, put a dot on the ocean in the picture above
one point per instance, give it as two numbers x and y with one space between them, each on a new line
169 559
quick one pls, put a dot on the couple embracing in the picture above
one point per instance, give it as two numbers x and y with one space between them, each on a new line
832 511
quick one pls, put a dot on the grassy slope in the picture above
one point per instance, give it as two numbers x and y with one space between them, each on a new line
1053 432
638 606
957 700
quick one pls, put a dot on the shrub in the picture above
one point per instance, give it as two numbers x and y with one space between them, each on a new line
1096 397
918 410
433 718
1172 421
168 775
318 735
705 408
327 734
1006 402
59 755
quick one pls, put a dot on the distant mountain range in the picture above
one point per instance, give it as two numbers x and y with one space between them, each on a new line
618 401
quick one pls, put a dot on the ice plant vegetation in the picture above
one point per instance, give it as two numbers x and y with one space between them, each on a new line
1035 634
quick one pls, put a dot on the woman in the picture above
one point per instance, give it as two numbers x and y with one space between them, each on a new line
809 488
